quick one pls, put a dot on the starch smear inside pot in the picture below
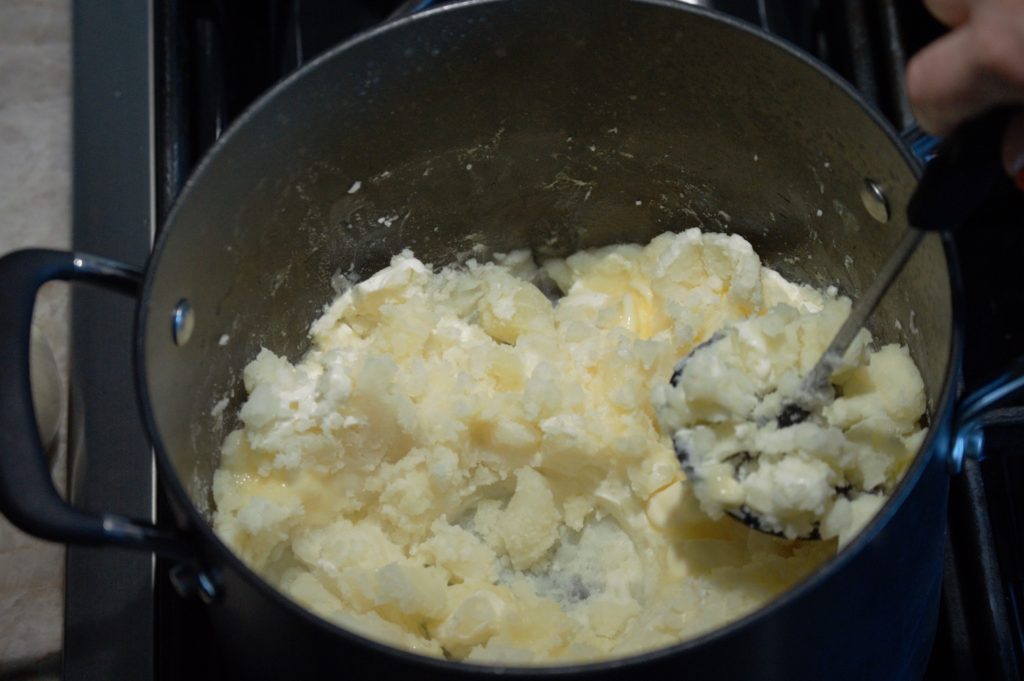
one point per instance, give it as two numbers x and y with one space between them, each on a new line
460 467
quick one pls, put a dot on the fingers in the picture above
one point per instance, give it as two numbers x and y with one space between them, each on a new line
973 68
1013 149
942 84
950 12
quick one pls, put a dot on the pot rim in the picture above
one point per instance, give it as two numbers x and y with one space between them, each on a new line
941 413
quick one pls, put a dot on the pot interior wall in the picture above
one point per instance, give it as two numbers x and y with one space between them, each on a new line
503 125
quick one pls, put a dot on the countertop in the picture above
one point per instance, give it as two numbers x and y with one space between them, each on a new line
35 192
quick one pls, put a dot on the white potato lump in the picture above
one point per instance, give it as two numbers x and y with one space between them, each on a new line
461 468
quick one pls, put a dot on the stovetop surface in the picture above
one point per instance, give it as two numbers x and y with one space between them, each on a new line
209 60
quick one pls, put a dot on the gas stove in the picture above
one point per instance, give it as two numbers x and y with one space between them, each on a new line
156 83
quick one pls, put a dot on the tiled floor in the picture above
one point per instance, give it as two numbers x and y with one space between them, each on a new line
35 106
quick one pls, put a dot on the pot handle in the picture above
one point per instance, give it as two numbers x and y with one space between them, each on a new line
961 172
979 409
28 496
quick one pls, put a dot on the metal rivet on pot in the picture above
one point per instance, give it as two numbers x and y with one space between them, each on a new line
189 581
208 592
183 322
875 201
183 580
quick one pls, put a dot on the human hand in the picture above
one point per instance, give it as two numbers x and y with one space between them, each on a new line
978 65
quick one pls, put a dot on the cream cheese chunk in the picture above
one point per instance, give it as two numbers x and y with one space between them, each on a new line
462 468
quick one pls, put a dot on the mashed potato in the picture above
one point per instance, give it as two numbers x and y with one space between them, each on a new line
824 474
459 467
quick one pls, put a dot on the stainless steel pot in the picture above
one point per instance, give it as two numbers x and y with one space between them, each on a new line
553 124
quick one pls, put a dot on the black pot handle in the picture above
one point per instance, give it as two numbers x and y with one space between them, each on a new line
962 173
28 496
